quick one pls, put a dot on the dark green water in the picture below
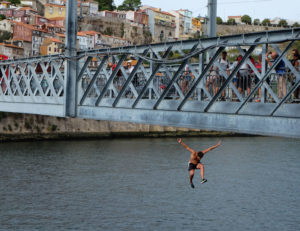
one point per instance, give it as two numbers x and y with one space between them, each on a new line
142 184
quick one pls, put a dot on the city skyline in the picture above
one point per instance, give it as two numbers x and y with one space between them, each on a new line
253 8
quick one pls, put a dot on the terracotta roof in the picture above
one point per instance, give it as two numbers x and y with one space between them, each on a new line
90 32
161 12
26 8
10 45
61 35
52 25
55 5
57 18
56 40
81 34
28 26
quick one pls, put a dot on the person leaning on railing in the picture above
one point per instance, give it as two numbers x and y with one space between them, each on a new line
280 71
296 63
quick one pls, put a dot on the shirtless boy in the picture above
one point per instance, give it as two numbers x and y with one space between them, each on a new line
195 158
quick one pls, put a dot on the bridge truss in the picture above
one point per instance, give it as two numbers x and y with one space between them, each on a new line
180 83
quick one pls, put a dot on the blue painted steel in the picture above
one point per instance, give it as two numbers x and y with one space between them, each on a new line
241 97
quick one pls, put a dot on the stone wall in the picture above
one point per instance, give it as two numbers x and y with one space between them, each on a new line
23 126
136 34
242 29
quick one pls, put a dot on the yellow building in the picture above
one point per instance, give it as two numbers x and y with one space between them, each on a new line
196 25
51 46
163 18
53 11
5 4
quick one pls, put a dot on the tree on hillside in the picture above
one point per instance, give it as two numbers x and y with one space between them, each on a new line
266 22
247 19
15 2
283 23
219 20
231 21
5 36
256 21
106 5
296 24
130 5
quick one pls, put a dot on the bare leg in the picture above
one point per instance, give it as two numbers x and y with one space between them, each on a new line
191 177
201 167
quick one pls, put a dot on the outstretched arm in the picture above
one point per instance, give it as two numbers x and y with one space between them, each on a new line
211 148
184 145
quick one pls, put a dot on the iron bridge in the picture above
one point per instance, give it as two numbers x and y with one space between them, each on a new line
180 83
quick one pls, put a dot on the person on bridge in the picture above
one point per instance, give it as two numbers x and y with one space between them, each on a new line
195 159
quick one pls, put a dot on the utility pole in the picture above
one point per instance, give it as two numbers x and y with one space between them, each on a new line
71 63
212 18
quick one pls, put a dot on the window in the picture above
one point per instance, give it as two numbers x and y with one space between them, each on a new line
50 10
49 48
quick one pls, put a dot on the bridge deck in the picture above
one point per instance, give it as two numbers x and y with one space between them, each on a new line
179 84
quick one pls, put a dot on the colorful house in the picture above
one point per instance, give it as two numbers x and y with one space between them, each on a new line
11 51
54 11
196 26
161 24
51 46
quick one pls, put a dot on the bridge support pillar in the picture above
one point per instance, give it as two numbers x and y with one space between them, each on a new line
212 18
71 64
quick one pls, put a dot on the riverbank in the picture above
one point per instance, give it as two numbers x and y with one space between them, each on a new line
24 127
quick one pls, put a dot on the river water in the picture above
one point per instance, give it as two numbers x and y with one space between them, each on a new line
142 184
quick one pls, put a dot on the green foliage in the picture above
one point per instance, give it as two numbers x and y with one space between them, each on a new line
231 21
37 128
3 115
296 24
108 31
296 45
27 125
2 16
106 5
15 2
51 128
130 5
256 21
283 23
5 36
266 22
219 20
247 19
122 30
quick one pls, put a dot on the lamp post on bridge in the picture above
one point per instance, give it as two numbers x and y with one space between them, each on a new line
71 64
212 18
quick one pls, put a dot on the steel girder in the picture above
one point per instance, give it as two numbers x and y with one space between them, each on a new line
168 79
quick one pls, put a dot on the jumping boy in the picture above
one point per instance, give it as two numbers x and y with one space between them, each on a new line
195 158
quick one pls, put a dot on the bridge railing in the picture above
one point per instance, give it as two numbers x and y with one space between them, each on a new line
28 85
188 76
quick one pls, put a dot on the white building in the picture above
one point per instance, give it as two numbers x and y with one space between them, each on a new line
6 25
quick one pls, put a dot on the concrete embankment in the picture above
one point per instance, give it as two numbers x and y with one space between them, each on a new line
16 127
